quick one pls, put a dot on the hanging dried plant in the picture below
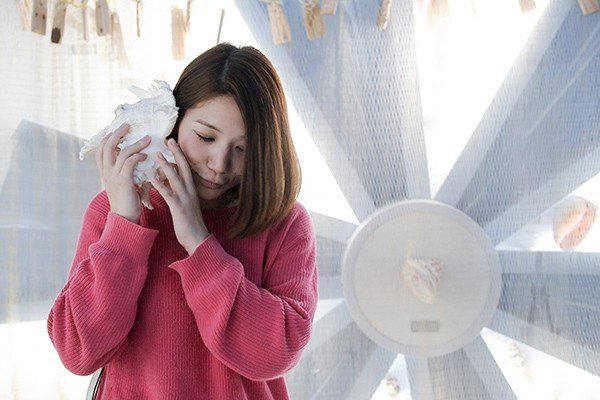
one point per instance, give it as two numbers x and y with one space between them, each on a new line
329 7
280 27
313 20
384 13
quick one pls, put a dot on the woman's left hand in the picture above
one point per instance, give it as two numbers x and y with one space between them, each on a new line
180 193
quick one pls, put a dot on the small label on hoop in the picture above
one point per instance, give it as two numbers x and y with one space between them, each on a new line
425 326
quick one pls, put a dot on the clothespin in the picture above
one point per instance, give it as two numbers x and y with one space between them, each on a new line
58 23
102 18
589 6
178 32
86 21
138 16
280 27
25 9
187 15
527 5
38 17
313 20
329 7
220 25
384 13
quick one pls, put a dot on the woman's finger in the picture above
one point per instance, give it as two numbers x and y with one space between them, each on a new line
129 150
99 157
182 164
170 173
99 152
160 175
162 188
109 153
130 163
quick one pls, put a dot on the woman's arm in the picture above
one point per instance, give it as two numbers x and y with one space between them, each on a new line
258 332
93 314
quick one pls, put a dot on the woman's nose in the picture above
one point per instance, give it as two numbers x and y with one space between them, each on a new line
219 161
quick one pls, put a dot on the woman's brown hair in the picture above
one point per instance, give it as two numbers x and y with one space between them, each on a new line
271 179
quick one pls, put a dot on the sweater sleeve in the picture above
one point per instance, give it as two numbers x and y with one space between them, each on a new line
259 332
94 312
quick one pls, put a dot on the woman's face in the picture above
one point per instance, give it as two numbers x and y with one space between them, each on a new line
212 137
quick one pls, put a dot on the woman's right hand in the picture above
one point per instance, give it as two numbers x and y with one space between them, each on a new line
116 170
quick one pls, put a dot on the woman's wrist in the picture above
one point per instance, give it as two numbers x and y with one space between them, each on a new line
129 217
193 244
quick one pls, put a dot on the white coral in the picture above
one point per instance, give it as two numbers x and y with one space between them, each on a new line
155 115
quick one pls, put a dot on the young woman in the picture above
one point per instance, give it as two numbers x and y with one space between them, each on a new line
211 295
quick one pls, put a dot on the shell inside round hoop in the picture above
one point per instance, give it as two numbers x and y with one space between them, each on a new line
572 222
422 276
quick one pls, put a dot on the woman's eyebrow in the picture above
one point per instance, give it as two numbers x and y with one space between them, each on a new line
208 125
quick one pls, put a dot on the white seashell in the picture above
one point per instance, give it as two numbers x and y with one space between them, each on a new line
422 276
573 219
155 115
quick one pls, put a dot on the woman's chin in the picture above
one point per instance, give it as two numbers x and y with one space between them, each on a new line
210 201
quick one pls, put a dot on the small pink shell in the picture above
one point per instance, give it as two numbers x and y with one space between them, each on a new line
572 222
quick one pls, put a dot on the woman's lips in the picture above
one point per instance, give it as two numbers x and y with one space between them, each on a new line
209 184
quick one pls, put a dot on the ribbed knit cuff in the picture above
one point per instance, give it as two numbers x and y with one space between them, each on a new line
131 240
208 260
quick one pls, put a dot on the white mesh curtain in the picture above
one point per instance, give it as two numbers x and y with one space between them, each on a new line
487 110
53 96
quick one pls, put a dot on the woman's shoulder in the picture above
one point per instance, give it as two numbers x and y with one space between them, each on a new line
297 221
299 212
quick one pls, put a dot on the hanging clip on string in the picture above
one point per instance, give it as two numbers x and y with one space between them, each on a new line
86 21
329 7
25 11
187 15
280 27
589 6
138 16
384 13
83 5
102 18
38 18
58 23
178 33
313 20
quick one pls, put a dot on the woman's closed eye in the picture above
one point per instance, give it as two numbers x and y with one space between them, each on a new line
205 138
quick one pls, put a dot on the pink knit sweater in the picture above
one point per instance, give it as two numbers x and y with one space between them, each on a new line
226 322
